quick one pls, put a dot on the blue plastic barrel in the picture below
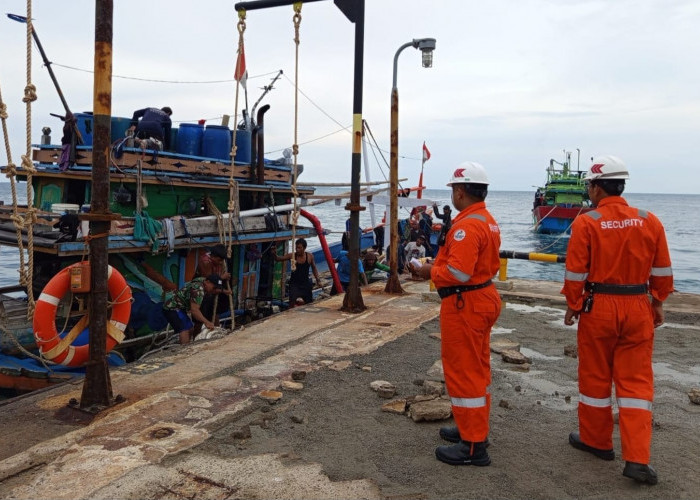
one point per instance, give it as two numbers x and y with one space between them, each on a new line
119 126
243 146
189 139
216 142
85 126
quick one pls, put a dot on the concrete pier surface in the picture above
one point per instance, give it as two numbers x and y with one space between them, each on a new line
283 408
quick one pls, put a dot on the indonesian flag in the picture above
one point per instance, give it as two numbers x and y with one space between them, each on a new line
241 74
426 153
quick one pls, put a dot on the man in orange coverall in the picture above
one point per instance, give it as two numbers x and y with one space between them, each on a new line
462 272
616 255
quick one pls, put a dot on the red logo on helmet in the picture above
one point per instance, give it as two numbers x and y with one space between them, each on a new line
596 169
459 173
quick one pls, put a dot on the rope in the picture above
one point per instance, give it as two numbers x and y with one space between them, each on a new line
21 348
232 184
30 216
219 218
295 147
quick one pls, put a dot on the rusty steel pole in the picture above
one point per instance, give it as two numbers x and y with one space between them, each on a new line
426 46
97 389
393 285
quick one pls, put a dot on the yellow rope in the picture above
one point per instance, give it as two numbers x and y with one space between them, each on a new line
295 147
30 216
219 218
232 184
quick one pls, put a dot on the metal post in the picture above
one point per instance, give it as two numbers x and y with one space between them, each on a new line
393 285
426 45
97 389
352 302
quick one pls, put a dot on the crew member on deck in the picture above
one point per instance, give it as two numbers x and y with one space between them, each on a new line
154 124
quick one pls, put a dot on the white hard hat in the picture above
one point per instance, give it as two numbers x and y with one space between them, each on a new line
469 172
607 167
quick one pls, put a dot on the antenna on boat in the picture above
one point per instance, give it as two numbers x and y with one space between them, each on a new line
266 89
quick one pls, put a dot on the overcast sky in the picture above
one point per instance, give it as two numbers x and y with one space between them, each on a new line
514 83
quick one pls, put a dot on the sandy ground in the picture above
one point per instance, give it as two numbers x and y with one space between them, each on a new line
343 428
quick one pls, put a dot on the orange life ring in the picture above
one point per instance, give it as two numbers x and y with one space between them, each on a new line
59 350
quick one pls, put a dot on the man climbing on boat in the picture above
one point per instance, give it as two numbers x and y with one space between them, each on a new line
153 128
214 262
300 286
189 299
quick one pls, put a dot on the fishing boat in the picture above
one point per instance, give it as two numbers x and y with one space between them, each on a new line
563 198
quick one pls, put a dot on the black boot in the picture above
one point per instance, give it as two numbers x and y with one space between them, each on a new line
641 473
575 441
463 453
451 434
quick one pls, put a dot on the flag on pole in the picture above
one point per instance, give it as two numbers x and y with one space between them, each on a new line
241 73
426 153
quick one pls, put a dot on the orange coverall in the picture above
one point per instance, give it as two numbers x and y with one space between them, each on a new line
469 257
617 244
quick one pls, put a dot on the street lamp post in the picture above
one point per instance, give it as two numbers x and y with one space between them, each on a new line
426 46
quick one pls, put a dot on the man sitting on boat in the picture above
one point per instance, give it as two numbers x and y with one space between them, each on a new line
343 261
371 263
189 299
154 128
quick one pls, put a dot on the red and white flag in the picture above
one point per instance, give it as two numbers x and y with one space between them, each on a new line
426 153
241 74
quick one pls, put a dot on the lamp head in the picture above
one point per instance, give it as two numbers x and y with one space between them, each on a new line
426 46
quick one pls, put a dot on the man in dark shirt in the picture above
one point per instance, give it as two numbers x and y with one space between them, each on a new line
155 123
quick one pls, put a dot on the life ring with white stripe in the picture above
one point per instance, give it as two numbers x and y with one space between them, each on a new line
60 350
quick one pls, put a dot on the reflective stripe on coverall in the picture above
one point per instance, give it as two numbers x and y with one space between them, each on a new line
617 244
469 257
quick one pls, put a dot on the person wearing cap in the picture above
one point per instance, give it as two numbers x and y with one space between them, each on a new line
618 273
154 123
188 300
470 306
445 216
214 262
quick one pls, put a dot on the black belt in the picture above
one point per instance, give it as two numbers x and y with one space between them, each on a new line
608 288
451 290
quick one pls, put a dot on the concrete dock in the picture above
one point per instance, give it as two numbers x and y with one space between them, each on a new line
176 400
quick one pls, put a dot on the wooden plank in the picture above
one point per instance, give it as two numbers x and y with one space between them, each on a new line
163 162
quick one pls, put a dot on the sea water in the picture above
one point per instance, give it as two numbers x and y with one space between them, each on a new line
680 215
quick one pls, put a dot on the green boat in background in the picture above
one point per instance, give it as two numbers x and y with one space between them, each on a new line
563 198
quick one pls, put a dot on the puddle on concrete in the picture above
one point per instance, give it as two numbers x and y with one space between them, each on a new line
523 308
680 326
499 331
538 355
552 393
664 371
